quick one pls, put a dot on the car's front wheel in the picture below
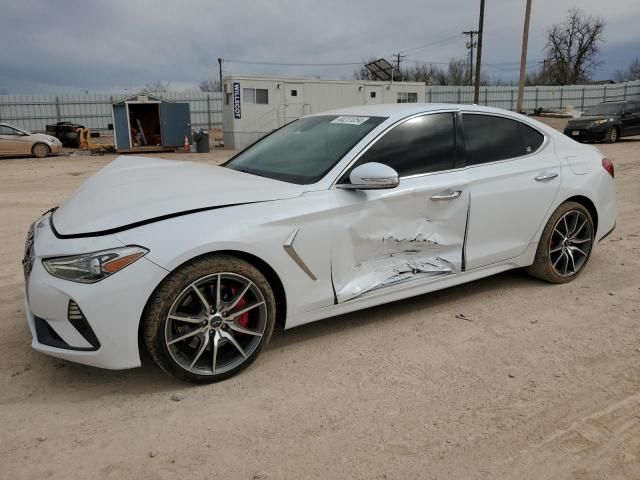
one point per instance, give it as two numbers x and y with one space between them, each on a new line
209 319
565 245
40 150
612 135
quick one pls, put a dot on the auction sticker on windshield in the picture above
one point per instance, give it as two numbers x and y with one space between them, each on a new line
350 120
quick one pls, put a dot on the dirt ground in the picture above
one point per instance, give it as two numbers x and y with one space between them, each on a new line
535 381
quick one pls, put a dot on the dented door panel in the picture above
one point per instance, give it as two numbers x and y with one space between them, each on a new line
381 238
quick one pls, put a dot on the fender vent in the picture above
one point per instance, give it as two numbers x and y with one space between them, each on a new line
78 320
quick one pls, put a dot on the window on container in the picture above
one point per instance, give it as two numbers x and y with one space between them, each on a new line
227 99
489 138
407 97
420 145
294 93
372 94
262 96
249 95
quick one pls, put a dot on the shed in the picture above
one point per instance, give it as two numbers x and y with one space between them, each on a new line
144 122
255 106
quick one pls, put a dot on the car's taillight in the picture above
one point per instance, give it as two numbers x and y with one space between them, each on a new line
608 166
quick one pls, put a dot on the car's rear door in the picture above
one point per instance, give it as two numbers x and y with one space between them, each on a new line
514 175
415 232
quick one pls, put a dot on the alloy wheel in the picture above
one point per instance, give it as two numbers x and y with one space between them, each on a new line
216 323
570 243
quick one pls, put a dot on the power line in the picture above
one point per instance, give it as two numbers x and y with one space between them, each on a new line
290 64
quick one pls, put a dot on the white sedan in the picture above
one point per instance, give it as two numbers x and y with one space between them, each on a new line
334 212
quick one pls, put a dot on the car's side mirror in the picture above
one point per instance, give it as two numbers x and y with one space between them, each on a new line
371 176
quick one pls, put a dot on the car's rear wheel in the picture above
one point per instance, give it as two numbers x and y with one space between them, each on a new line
40 150
565 246
209 319
612 135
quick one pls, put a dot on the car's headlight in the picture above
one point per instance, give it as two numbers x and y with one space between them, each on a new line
93 267
601 122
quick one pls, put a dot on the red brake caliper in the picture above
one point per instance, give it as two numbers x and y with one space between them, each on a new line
242 320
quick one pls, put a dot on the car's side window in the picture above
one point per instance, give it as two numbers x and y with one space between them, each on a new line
532 138
490 138
4 130
419 145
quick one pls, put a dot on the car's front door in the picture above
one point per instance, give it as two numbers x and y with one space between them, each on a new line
514 179
411 233
12 141
631 119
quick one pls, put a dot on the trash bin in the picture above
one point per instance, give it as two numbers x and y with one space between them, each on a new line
201 138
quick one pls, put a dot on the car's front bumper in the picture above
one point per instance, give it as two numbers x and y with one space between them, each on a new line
103 330
56 149
586 133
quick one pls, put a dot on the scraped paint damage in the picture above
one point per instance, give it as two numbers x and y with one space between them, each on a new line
396 237
409 251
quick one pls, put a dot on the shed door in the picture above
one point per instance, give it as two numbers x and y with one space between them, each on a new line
294 106
175 121
121 126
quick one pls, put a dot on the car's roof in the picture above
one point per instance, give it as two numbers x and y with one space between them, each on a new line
396 111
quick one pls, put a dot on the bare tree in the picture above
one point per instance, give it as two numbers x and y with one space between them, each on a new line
209 85
157 87
631 73
572 48
458 72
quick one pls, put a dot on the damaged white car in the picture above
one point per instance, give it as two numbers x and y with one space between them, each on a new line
332 213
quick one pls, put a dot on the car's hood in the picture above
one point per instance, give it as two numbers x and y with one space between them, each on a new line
134 190
590 118
42 137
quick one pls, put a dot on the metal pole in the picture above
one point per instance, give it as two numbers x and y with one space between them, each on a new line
523 56
582 100
58 110
209 111
476 93
220 72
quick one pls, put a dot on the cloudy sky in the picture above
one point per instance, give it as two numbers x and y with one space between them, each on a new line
111 45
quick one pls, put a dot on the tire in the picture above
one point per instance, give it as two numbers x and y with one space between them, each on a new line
176 310
612 135
560 258
40 150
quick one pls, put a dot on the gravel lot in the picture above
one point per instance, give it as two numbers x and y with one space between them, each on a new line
536 381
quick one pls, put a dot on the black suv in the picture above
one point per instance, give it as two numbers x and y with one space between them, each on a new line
606 122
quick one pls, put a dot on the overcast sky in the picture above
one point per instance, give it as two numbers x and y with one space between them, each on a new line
107 46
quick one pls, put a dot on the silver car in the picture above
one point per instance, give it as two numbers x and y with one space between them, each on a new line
15 141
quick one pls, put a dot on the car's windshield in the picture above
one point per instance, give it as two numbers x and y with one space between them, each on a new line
305 150
604 109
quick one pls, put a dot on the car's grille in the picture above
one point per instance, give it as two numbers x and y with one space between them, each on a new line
29 254
579 123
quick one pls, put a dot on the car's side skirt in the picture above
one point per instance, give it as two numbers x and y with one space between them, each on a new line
400 292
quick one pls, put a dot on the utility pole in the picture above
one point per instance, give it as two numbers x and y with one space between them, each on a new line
399 58
476 92
470 45
523 56
220 72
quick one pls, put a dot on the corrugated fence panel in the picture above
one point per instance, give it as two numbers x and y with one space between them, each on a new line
577 97
34 112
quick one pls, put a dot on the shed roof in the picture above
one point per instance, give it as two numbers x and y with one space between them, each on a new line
139 94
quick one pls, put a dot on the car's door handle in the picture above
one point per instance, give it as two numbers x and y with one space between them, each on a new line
450 195
545 176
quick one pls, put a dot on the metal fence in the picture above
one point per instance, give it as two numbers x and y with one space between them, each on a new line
34 112
572 96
